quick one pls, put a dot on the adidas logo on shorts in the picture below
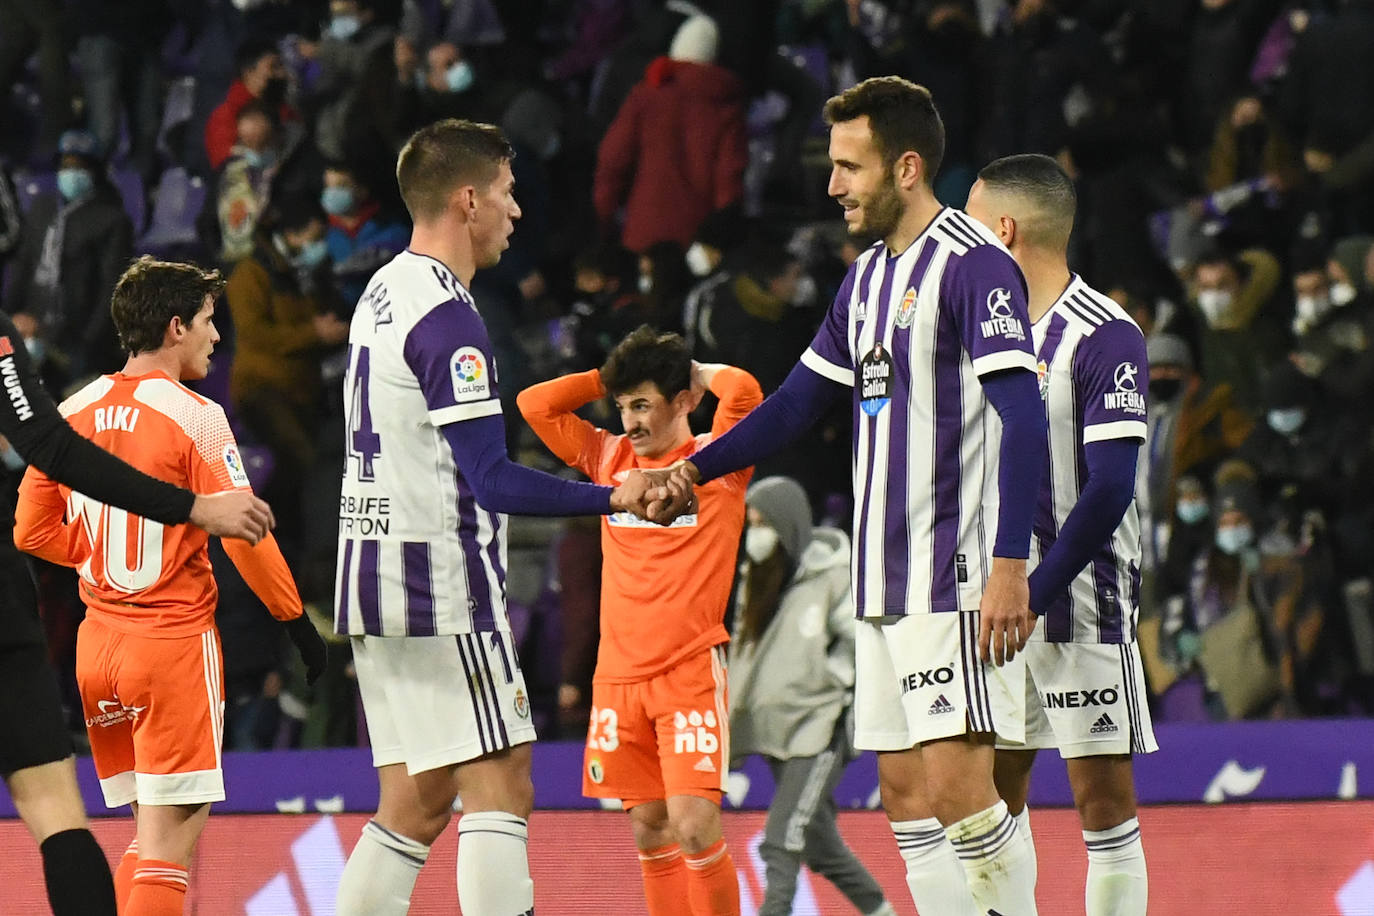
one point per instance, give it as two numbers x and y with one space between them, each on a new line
1104 725
941 706
704 765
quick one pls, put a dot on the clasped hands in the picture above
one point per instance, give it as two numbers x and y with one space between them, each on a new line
658 495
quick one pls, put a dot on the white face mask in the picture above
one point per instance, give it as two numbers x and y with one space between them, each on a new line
1234 539
1214 303
646 284
1343 294
760 541
698 260
1310 308
805 296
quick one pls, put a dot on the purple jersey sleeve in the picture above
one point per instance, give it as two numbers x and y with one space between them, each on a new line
1109 375
829 355
450 354
986 294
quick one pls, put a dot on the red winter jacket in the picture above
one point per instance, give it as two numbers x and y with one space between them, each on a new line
222 130
675 152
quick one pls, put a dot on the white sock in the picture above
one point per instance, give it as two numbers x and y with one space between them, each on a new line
1117 882
1023 828
933 874
493 865
884 910
380 873
996 861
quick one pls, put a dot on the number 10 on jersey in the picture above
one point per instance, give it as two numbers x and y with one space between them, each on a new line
363 441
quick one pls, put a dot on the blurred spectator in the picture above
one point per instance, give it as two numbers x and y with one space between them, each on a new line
1333 322
1183 537
686 116
664 281
354 37
1327 100
74 246
38 26
119 53
1243 329
244 185
717 237
281 332
361 237
1252 171
261 76
1221 45
1192 425
606 307
792 688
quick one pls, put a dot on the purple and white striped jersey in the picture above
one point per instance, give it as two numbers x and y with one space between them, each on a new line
1091 365
912 334
417 555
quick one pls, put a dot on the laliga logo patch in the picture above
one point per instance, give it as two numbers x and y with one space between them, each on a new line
468 368
1126 397
233 463
1003 320
906 312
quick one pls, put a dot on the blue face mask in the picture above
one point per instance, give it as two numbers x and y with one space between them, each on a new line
1234 539
74 183
1192 511
258 159
337 201
1288 420
344 27
459 77
311 255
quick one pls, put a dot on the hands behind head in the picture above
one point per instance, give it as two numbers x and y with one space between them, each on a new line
658 495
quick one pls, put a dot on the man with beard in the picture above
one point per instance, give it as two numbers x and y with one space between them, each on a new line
659 733
929 337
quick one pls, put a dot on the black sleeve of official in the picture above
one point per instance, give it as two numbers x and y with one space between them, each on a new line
30 420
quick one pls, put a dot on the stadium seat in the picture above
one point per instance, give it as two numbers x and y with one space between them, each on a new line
180 196
129 183
177 110
29 186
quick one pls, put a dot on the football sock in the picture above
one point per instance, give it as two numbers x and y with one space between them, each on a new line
380 874
1024 829
934 876
159 889
77 875
665 881
995 860
493 864
124 875
1117 881
712 886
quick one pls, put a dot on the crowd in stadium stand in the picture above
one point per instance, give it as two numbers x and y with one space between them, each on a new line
671 165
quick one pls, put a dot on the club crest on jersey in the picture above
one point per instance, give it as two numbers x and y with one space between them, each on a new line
595 772
1042 376
471 381
522 704
906 312
233 463
1126 398
1002 318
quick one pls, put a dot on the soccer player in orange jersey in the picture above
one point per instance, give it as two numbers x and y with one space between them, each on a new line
149 666
659 732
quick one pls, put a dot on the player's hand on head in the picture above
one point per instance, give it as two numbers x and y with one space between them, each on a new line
233 514
1005 618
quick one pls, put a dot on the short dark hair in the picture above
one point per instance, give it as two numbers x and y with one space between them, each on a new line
647 355
902 116
260 108
445 155
295 212
150 293
251 50
1041 181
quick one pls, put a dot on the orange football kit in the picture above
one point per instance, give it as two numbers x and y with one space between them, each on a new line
149 666
659 723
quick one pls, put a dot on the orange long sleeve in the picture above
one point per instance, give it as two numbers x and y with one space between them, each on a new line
265 570
548 409
40 528
738 392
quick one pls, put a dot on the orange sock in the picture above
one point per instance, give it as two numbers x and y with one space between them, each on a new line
711 883
159 889
124 876
665 881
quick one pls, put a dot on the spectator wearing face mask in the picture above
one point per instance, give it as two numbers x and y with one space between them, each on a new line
1189 532
262 76
74 245
1242 330
361 236
281 330
791 688
707 260
1245 621
446 87
1191 426
244 185
1333 321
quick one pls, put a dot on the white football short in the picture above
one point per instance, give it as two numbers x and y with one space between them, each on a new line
918 679
1087 700
432 701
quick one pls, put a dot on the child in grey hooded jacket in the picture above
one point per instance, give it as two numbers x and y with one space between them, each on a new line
791 685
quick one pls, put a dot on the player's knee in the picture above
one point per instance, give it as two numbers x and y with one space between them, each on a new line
697 827
1102 811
